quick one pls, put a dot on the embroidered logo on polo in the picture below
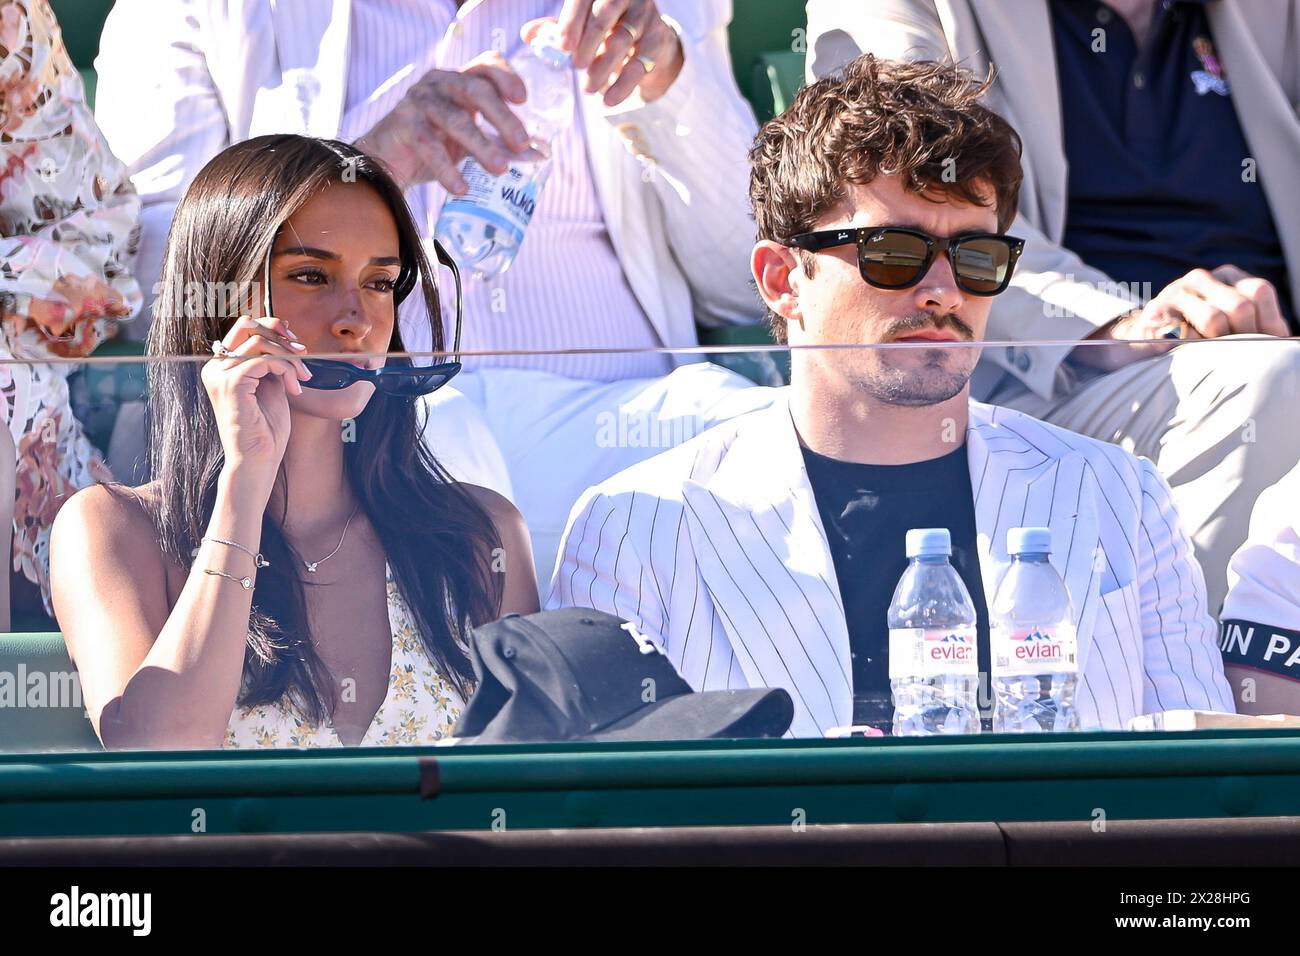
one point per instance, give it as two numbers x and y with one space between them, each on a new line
1210 76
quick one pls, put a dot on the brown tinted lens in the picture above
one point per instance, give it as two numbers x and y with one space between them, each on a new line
981 265
894 259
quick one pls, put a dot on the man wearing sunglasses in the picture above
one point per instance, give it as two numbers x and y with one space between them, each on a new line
765 552
1162 149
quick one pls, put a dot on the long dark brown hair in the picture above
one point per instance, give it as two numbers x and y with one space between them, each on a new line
438 540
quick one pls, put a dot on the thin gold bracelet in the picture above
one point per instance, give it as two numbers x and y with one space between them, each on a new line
246 582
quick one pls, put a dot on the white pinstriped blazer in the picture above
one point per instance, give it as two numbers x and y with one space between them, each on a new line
715 550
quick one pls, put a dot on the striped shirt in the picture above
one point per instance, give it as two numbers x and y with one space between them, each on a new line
566 288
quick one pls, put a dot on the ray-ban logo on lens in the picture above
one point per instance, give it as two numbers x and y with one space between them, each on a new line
76 908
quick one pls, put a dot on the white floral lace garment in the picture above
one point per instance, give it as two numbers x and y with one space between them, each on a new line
69 225
421 706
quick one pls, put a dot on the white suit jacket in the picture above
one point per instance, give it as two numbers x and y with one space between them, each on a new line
1054 295
715 550
1264 575
179 81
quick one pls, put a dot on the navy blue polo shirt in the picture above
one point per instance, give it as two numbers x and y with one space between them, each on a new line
1156 151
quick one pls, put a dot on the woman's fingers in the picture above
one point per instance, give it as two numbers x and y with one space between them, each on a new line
264 345
270 338
258 365
270 328
263 367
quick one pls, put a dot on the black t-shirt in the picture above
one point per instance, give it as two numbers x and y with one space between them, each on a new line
867 511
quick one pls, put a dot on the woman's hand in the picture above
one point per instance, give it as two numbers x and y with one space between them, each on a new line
250 390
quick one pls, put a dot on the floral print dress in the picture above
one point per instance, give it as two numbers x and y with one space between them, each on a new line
69 225
421 706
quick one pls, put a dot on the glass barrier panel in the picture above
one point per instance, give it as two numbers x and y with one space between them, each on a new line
926 536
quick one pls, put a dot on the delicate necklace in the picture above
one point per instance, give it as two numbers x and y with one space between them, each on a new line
312 565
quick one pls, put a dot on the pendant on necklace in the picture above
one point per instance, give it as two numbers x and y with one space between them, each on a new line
311 565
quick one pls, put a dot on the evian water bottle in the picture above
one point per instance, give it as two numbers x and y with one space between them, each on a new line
1032 637
484 228
933 661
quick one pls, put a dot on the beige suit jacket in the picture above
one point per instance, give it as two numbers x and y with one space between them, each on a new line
1055 295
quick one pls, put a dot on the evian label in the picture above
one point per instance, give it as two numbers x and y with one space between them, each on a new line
1025 651
932 652
507 201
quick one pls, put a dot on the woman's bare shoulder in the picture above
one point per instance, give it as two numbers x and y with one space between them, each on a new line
112 503
110 515
516 551
498 506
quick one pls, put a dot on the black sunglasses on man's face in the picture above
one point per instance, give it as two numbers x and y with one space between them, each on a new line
895 258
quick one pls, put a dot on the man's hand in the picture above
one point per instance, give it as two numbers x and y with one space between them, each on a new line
624 45
1201 305
435 126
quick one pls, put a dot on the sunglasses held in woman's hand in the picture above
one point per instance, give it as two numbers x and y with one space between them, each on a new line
896 258
399 381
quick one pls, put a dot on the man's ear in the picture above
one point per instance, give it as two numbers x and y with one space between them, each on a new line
773 266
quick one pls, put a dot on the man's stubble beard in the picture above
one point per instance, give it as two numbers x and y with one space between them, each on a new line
944 371
939 379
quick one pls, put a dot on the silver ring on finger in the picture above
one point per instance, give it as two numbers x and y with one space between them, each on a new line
646 62
219 349
632 33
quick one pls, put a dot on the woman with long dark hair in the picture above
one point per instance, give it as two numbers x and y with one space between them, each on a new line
301 571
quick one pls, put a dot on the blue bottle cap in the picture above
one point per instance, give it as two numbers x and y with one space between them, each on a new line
1029 541
546 45
923 541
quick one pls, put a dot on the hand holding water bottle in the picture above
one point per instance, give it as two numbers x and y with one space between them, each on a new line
621 45
447 116
484 228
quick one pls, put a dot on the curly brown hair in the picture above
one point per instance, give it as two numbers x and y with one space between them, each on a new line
921 121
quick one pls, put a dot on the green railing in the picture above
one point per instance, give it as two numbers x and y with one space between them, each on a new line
1085 777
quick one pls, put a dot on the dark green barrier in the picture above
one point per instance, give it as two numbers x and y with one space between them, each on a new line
1092 778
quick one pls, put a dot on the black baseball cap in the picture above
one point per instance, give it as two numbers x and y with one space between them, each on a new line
579 674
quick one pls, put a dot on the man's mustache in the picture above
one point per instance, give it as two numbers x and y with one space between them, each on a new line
925 321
